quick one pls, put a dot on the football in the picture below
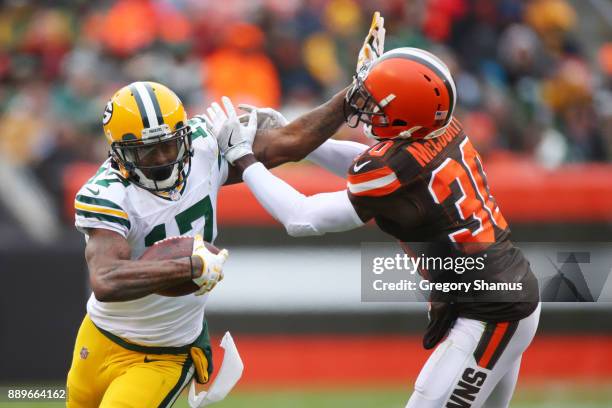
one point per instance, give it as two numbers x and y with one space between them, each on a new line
174 248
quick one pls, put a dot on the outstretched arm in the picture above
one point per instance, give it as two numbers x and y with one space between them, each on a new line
337 155
334 155
300 215
295 141
275 146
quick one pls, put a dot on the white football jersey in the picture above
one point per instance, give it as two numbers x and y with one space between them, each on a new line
110 202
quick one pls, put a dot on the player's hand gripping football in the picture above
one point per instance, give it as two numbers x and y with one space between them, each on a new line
374 43
235 139
212 266
267 118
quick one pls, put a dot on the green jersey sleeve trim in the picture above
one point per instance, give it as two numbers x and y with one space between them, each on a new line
104 217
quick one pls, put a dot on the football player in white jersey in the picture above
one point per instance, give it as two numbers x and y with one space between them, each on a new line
136 348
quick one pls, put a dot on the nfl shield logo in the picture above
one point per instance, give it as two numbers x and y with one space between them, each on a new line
84 353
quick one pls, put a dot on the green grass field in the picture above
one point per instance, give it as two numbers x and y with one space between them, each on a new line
548 396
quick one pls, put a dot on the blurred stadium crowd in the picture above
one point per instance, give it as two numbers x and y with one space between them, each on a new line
528 84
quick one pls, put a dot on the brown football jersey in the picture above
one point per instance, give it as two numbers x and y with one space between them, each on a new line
435 191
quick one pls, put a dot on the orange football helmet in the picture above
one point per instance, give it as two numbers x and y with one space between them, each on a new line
406 93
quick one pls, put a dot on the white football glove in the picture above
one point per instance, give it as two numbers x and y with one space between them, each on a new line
212 265
267 118
374 43
235 140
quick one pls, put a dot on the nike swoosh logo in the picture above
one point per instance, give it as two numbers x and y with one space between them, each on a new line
356 168
148 360
229 141
93 192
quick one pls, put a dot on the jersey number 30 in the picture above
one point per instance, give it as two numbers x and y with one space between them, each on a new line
474 200
184 220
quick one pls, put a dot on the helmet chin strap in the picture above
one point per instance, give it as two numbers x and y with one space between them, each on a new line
438 132
406 134
367 130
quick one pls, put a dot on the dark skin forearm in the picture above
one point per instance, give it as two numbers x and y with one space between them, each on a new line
115 278
295 141
129 280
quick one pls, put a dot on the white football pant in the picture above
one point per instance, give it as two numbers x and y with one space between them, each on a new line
477 365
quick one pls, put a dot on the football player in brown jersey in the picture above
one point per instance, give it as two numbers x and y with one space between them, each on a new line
423 181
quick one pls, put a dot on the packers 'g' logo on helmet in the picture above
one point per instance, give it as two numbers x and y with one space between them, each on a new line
145 124
108 113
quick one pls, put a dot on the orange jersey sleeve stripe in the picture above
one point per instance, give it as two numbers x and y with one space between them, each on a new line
369 175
